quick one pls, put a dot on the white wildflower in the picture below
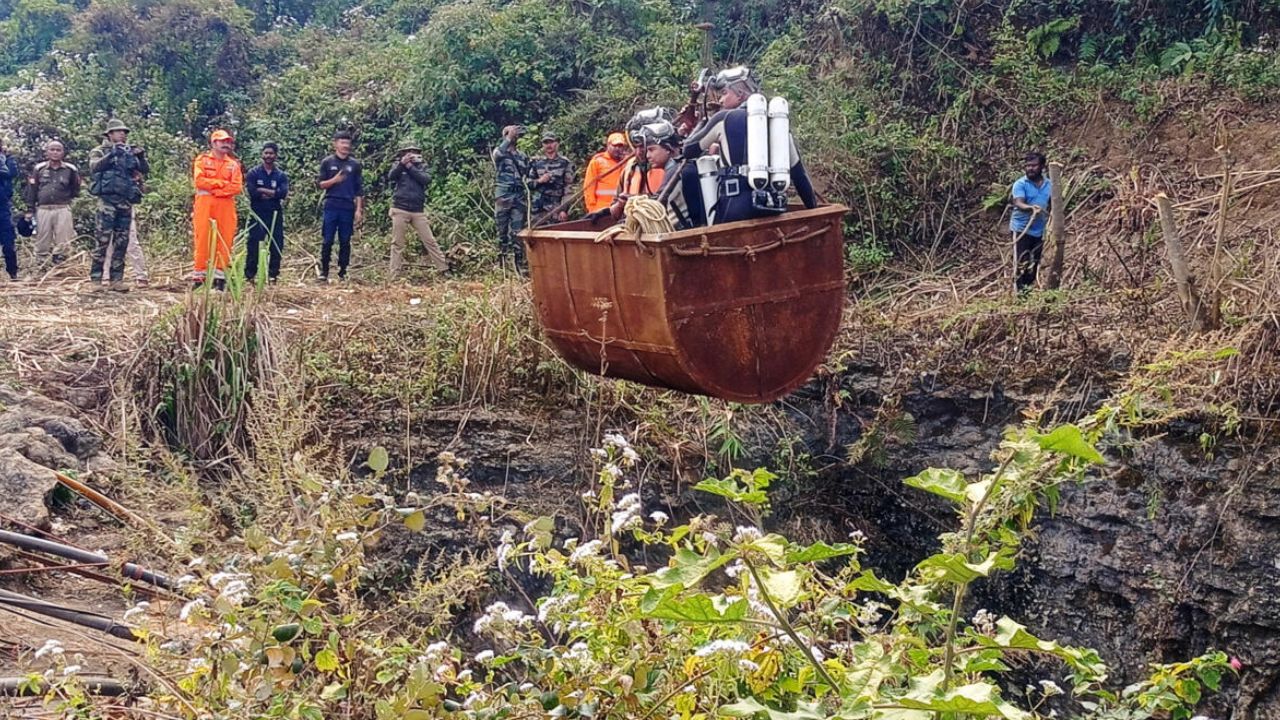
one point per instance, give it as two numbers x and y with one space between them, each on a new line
1050 688
50 647
746 534
659 517
526 687
747 666
710 538
858 537
984 621
70 670
235 592
189 608
599 454
464 676
136 612
616 440
219 580
723 647
186 581
347 537
499 619
484 656
611 472
586 551
871 613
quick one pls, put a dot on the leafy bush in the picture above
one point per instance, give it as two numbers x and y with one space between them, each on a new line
738 622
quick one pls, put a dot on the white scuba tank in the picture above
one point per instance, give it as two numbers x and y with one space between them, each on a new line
708 181
757 142
779 144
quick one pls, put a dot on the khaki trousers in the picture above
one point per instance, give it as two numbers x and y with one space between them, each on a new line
133 253
400 222
54 231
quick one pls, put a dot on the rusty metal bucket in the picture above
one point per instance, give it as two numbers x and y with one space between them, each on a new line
743 311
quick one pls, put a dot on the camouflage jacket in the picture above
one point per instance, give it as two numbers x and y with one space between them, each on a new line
512 166
549 194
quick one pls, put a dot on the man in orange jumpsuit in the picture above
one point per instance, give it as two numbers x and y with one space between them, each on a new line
600 182
218 179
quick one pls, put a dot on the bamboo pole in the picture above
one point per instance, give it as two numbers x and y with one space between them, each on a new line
1057 228
1192 303
1216 271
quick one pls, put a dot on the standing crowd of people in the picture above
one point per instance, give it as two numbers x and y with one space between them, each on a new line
704 169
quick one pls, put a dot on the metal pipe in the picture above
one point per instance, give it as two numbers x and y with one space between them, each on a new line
78 617
93 684
129 570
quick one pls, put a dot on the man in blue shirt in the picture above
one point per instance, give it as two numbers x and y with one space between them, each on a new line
1030 217
8 238
343 184
268 186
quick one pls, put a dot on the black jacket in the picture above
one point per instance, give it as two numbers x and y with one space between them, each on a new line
409 186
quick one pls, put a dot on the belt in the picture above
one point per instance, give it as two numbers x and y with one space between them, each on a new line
202 193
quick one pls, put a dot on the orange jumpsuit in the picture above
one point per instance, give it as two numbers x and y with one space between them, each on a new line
217 184
599 184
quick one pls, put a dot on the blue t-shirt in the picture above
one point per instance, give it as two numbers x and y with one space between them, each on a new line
8 176
343 195
259 179
1026 191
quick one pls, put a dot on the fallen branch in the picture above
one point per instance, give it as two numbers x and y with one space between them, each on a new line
1192 303
92 684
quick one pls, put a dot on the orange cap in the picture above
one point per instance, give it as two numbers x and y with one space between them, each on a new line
617 139
220 135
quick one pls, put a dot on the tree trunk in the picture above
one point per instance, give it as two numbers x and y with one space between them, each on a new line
1192 303
1057 228
1216 272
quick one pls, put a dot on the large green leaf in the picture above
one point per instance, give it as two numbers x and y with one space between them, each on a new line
699 608
979 699
688 568
750 708
956 569
1069 440
1012 635
784 586
949 484
819 551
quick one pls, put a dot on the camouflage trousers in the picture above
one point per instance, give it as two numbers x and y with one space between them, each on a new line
112 230
509 211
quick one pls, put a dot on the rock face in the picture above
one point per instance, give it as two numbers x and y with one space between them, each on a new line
1173 554
39 436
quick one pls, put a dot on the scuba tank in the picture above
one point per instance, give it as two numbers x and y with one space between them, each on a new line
708 181
779 144
757 142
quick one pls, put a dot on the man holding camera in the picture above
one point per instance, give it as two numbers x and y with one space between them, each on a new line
409 179
510 206
116 170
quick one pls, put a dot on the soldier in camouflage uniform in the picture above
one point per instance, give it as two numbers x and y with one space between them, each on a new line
116 170
510 207
550 177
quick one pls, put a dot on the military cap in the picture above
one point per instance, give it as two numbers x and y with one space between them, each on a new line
407 146
548 135
114 124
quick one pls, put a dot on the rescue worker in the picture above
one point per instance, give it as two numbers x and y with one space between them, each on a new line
660 145
1031 195
510 205
550 178
342 179
218 179
725 134
735 86
8 238
409 179
268 187
133 256
600 182
116 171
52 186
